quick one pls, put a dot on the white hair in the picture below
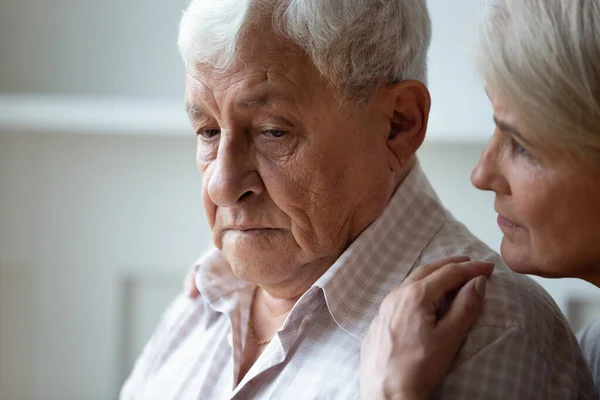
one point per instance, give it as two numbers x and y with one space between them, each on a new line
355 44
543 58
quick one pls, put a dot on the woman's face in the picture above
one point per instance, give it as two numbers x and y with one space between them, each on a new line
547 200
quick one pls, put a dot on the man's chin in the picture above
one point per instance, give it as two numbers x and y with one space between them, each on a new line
258 265
260 270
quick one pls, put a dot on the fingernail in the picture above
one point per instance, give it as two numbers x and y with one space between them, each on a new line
480 286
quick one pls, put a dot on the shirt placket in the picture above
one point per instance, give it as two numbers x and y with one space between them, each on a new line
276 352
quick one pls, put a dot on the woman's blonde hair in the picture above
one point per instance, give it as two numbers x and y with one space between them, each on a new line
543 58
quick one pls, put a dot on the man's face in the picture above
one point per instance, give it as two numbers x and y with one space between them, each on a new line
291 178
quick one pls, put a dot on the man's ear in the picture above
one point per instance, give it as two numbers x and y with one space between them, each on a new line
408 122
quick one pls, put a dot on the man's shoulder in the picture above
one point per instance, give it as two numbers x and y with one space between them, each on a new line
514 304
512 300
517 303
520 324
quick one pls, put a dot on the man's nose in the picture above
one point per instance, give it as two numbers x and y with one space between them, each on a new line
235 176
487 174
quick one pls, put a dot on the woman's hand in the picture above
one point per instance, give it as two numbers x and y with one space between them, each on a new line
410 346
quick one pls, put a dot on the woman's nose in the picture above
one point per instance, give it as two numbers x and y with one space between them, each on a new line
487 174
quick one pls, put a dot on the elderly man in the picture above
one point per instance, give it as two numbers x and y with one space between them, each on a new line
308 116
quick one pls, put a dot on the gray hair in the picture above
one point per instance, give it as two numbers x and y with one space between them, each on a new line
356 45
543 58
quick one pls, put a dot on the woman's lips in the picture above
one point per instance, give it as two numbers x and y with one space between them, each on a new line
506 223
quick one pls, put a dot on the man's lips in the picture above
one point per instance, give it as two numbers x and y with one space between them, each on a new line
252 229
249 227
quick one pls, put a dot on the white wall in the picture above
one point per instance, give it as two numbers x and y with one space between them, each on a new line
90 226
109 47
459 103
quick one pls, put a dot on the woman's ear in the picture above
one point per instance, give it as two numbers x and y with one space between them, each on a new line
408 122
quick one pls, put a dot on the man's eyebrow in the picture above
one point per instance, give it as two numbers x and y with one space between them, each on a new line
257 101
264 100
506 127
195 112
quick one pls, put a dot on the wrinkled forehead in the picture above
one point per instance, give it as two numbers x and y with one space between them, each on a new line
263 62
244 88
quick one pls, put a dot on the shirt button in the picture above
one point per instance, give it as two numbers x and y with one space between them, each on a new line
303 325
230 339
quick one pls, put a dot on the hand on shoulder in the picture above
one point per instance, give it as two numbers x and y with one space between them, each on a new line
410 346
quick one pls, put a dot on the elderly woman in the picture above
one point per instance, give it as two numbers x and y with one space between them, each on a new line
541 64
308 116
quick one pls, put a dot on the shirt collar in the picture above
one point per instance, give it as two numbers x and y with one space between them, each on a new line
214 277
383 255
372 266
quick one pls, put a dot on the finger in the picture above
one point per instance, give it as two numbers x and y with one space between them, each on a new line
426 270
463 313
189 284
452 276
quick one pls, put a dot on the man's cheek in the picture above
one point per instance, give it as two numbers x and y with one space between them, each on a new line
209 207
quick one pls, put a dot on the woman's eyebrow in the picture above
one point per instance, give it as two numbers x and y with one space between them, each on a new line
506 127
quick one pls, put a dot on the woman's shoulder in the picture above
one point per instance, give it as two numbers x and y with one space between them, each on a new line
589 340
590 336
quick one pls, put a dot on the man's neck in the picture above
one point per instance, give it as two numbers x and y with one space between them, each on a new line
275 307
281 297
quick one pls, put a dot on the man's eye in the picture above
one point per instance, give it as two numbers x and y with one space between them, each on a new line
275 133
208 133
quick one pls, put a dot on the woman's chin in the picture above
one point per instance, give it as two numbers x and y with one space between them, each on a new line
518 259
521 262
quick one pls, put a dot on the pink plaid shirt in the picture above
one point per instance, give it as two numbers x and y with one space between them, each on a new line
520 348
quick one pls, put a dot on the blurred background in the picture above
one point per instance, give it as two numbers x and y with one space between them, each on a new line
100 211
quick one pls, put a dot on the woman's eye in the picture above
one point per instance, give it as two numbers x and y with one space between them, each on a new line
208 133
519 149
275 133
